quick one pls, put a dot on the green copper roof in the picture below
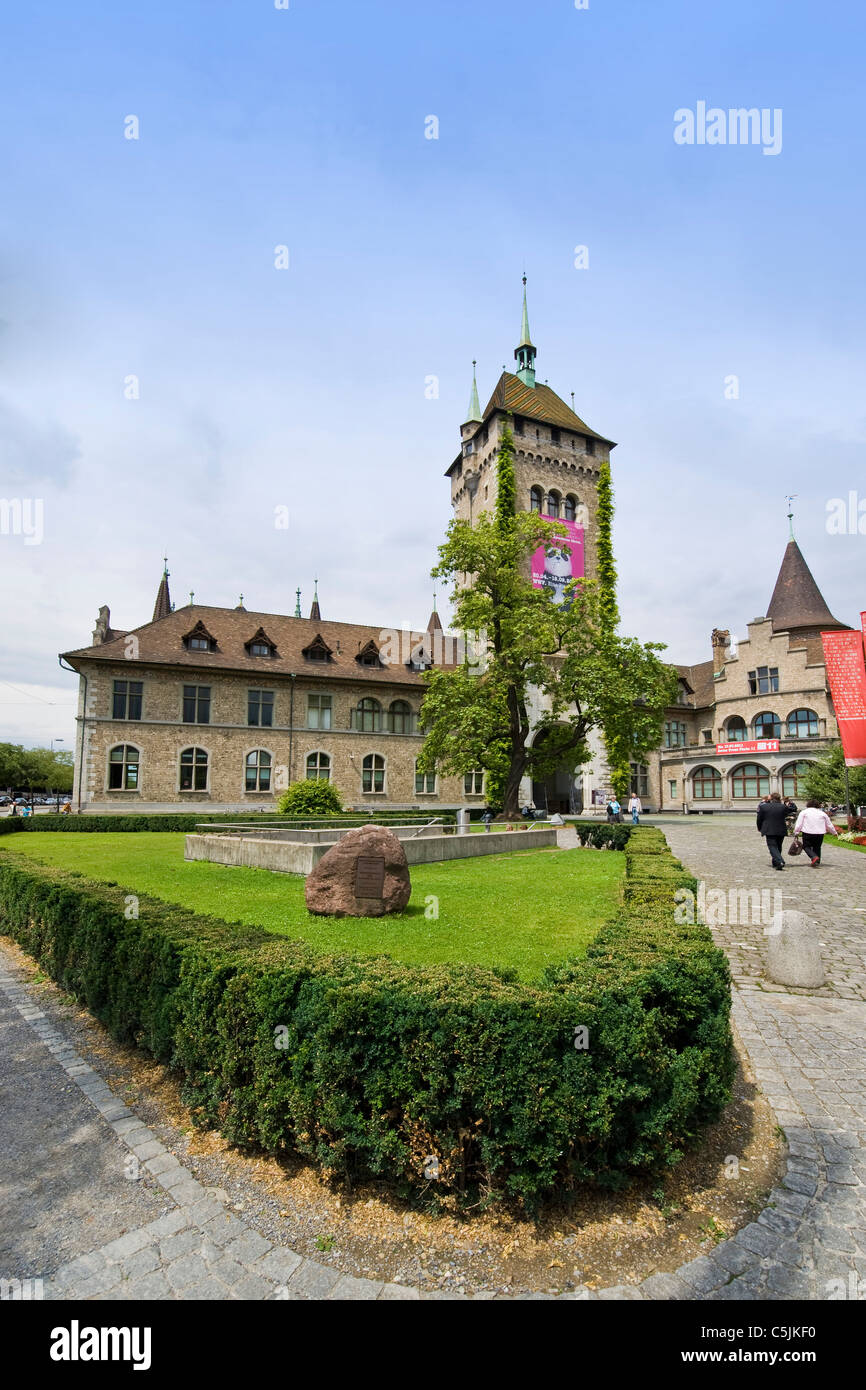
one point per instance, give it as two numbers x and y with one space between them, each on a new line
525 340
474 413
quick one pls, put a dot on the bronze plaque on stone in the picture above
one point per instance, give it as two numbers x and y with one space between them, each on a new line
370 876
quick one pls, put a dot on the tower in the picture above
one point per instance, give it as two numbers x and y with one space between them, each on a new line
557 455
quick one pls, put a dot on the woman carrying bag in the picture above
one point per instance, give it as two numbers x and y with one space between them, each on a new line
813 824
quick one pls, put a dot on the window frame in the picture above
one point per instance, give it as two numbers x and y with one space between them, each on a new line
262 704
375 773
320 696
198 698
321 768
259 754
738 774
195 764
711 775
125 763
127 695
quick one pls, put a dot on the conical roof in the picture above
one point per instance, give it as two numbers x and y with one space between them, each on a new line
797 601
162 607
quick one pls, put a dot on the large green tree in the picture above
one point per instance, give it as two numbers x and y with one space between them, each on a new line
35 769
825 780
537 654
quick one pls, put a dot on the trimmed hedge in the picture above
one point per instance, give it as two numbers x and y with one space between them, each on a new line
188 821
370 1067
602 835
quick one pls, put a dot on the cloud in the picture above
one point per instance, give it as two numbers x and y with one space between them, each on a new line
29 451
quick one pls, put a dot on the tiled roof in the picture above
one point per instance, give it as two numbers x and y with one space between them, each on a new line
537 403
160 643
797 601
700 680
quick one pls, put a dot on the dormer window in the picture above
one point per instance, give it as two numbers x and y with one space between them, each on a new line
260 644
369 655
199 639
318 650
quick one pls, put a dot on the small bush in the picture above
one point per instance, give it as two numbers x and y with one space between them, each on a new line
315 797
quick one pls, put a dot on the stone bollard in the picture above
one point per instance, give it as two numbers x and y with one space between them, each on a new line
793 950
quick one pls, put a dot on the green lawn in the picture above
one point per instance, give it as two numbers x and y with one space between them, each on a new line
523 910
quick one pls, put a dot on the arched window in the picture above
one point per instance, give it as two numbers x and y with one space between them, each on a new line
193 770
794 780
749 782
367 716
123 768
553 501
736 729
707 784
257 771
318 767
536 499
425 782
373 773
569 508
802 723
400 717
768 725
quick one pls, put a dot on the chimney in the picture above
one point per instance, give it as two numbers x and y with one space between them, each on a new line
721 640
102 628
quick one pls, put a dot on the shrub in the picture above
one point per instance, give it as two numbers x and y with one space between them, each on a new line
370 1067
315 797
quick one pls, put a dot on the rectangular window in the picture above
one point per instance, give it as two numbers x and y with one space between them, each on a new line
639 779
554 435
127 699
196 704
764 680
673 791
518 425
318 711
260 708
425 782
590 446
473 783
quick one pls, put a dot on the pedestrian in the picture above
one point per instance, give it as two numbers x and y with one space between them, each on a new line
814 823
635 807
66 808
487 818
14 811
25 812
772 824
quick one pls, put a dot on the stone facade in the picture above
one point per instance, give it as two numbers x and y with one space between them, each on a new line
721 705
160 736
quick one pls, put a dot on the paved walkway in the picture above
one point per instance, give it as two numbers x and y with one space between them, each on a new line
70 1216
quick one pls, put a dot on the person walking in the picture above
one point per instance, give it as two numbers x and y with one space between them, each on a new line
614 811
635 807
772 824
813 824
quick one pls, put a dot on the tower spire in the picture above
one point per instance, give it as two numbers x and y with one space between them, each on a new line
474 413
297 603
315 611
162 607
525 351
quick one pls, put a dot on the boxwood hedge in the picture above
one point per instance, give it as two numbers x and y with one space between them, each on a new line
373 1068
189 821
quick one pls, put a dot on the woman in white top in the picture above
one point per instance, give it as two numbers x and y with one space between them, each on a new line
635 807
814 823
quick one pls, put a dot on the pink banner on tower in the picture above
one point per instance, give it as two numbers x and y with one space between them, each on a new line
846 675
560 561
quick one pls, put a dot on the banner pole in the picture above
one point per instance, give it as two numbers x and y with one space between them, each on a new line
847 798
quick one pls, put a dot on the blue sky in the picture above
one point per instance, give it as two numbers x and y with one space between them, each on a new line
305 387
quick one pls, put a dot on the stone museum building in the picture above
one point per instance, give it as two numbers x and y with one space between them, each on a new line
223 707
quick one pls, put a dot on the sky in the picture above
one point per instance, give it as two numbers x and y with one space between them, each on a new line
168 383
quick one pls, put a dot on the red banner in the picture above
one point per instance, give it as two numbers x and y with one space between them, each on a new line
846 675
755 745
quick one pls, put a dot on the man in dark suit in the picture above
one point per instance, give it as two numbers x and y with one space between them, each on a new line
772 818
